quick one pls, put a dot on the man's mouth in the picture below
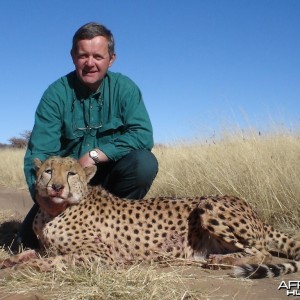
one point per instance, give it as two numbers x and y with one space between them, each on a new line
85 73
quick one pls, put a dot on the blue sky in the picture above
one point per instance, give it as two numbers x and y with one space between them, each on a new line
202 66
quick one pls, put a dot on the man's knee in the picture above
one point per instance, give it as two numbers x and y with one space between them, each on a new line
143 164
133 175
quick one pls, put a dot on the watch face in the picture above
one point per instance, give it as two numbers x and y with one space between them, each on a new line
93 153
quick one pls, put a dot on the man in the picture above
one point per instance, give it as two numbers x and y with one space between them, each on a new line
97 117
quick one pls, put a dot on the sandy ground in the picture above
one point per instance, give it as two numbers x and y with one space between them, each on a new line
215 284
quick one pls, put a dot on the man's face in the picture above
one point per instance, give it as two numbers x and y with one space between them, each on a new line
92 60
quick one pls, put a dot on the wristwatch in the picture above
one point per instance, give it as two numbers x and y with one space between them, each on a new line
94 156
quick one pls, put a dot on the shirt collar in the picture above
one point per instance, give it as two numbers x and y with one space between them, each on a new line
82 92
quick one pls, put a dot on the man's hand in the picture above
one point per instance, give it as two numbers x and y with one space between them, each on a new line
87 161
53 209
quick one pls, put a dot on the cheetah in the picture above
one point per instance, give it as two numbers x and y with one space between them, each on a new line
96 225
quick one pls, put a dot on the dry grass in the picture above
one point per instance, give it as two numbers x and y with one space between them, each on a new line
264 169
11 168
136 283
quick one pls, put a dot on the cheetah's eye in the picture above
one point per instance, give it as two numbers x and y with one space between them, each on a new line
70 173
48 171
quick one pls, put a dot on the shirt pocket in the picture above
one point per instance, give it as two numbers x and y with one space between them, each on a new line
73 125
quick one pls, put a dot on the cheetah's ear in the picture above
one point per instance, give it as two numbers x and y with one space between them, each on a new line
37 164
90 172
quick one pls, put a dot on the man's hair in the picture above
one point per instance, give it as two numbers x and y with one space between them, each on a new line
91 30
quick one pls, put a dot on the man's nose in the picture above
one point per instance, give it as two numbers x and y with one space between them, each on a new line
90 61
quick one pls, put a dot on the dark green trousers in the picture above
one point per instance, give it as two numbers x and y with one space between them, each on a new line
130 177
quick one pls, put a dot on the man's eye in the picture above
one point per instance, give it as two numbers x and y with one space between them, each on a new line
82 56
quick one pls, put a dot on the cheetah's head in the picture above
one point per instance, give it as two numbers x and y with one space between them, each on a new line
62 180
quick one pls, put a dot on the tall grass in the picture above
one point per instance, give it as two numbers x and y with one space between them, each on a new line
263 169
11 168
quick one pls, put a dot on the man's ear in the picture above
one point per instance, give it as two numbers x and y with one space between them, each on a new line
37 164
112 59
90 172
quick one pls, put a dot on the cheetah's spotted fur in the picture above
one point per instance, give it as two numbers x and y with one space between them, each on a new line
220 229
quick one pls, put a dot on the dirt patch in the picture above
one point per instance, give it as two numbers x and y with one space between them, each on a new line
17 201
217 284
213 284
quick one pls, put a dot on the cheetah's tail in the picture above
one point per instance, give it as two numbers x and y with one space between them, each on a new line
266 270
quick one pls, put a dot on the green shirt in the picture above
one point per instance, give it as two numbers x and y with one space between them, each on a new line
70 121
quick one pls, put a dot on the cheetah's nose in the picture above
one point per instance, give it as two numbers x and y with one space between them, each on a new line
57 187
